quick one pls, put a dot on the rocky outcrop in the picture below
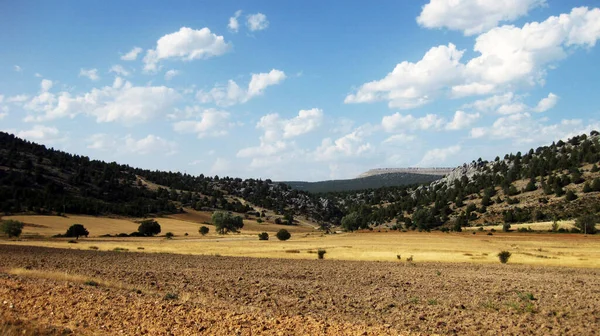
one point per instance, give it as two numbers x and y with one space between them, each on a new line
422 171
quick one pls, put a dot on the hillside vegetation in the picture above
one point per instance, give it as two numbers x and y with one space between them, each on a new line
556 182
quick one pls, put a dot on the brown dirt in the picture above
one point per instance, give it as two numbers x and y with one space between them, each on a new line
229 296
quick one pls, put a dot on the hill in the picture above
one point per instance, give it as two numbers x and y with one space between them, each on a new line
413 170
362 183
36 179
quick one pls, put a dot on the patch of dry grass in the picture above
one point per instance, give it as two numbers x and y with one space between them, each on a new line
63 276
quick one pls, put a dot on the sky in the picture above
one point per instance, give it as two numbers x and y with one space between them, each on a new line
298 90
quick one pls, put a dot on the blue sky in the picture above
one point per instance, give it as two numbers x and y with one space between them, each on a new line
307 90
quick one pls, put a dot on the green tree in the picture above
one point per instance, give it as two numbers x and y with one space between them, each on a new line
570 196
226 222
12 228
203 230
587 223
263 236
283 234
351 221
77 230
149 228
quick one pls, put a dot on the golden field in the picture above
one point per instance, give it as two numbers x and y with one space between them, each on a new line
470 247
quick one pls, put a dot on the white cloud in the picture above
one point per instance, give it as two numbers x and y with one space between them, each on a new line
523 128
38 75
234 25
515 55
89 73
17 68
397 121
350 145
119 70
257 22
274 143
462 120
473 16
411 85
508 57
132 54
186 44
46 85
17 99
211 123
400 139
438 156
121 102
546 103
151 144
232 93
171 74
40 133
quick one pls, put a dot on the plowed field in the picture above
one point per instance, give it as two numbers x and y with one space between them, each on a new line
110 293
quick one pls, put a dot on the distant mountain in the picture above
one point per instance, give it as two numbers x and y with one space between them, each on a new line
422 171
375 181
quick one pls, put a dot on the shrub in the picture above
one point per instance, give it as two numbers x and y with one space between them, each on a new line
149 227
203 230
171 296
12 228
504 256
263 236
169 235
321 253
506 227
283 234
91 283
259 220
76 230
571 196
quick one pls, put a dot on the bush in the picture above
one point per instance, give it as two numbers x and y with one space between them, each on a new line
506 227
76 230
259 221
504 256
571 196
321 253
12 228
263 236
171 296
149 227
283 234
169 235
203 230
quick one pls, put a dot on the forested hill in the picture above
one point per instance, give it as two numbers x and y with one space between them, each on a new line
560 181
362 183
37 179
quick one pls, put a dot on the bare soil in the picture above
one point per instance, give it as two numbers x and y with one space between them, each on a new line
250 296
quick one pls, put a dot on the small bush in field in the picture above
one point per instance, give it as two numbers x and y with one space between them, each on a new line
283 234
504 256
321 253
263 236
169 235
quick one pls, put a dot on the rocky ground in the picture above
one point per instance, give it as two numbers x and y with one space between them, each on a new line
163 294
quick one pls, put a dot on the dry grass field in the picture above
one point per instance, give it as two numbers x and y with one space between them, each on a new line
538 248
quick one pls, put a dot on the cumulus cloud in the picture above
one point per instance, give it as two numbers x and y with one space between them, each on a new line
17 99
257 22
171 74
46 85
411 85
232 93
462 120
473 16
233 24
119 70
89 73
209 123
546 103
132 54
506 57
523 128
438 156
187 44
353 144
41 134
276 135
398 122
121 102
151 144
